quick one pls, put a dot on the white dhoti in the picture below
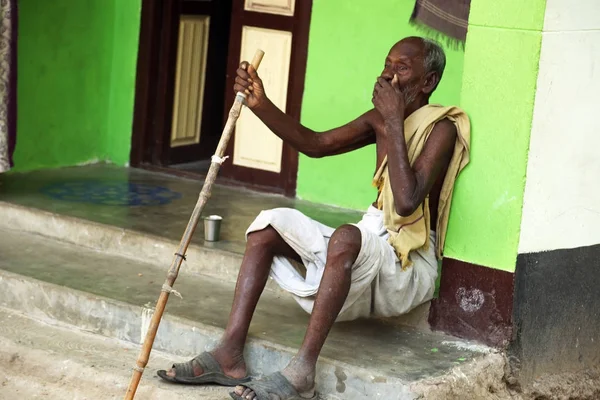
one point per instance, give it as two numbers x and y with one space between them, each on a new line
379 285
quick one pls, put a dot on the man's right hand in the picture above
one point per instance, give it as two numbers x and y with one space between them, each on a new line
248 82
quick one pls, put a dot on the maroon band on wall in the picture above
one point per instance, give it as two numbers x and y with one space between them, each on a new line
474 303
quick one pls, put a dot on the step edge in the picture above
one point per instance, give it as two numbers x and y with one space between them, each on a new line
49 215
194 325
195 252
198 258
15 217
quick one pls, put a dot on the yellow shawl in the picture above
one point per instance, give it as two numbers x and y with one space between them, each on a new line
412 232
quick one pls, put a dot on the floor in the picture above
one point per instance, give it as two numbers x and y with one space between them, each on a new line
160 205
385 349
41 361
150 202
198 167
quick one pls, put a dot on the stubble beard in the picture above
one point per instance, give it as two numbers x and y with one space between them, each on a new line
410 94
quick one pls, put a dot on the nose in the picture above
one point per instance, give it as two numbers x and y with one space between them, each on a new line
387 75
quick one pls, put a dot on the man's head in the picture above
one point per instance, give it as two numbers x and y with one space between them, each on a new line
419 64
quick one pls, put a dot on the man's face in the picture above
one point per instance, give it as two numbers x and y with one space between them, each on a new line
405 60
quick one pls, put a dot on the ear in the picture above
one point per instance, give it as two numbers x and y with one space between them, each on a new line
431 81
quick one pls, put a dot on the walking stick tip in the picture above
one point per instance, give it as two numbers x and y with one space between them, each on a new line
258 56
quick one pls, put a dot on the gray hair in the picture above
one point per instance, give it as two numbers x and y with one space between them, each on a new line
435 58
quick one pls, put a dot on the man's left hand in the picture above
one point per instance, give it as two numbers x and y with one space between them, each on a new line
388 99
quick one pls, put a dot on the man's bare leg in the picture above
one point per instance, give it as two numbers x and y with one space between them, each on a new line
342 252
261 247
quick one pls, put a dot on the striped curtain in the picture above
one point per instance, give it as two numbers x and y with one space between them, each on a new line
8 82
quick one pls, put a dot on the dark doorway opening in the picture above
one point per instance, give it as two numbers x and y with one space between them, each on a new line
180 91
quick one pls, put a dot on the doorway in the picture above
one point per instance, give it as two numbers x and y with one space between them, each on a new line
188 53
180 89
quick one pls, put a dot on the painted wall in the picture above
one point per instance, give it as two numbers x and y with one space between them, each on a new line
559 250
476 299
495 83
562 198
498 92
122 88
348 43
76 81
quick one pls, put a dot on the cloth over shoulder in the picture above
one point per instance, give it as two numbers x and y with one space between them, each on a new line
411 232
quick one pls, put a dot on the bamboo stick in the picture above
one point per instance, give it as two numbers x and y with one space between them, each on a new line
144 355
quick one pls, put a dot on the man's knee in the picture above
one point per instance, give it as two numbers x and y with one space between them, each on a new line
267 237
344 246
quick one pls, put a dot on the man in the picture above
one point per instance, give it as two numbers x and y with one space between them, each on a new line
385 265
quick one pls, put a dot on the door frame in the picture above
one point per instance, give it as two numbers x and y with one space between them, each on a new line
154 91
283 182
154 82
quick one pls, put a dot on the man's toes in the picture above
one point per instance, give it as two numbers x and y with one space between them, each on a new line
245 393
171 373
239 390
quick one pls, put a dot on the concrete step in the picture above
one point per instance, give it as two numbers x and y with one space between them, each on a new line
118 241
56 362
206 259
113 295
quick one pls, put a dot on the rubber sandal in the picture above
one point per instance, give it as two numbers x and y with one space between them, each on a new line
213 374
273 385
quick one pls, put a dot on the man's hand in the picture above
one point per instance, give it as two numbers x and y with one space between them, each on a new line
389 100
248 82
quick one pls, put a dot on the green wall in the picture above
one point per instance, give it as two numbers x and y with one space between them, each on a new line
77 66
348 43
496 89
498 92
124 71
76 80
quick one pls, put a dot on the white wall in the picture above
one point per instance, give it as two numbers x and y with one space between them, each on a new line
562 194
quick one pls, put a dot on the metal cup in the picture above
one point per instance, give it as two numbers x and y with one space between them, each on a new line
212 228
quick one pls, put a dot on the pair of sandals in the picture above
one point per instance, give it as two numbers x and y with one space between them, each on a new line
272 385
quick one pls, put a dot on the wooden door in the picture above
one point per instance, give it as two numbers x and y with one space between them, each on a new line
280 28
180 89
199 87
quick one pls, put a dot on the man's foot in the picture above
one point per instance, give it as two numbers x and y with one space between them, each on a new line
300 374
232 364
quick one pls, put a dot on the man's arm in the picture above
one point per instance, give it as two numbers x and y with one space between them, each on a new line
354 135
410 185
351 136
